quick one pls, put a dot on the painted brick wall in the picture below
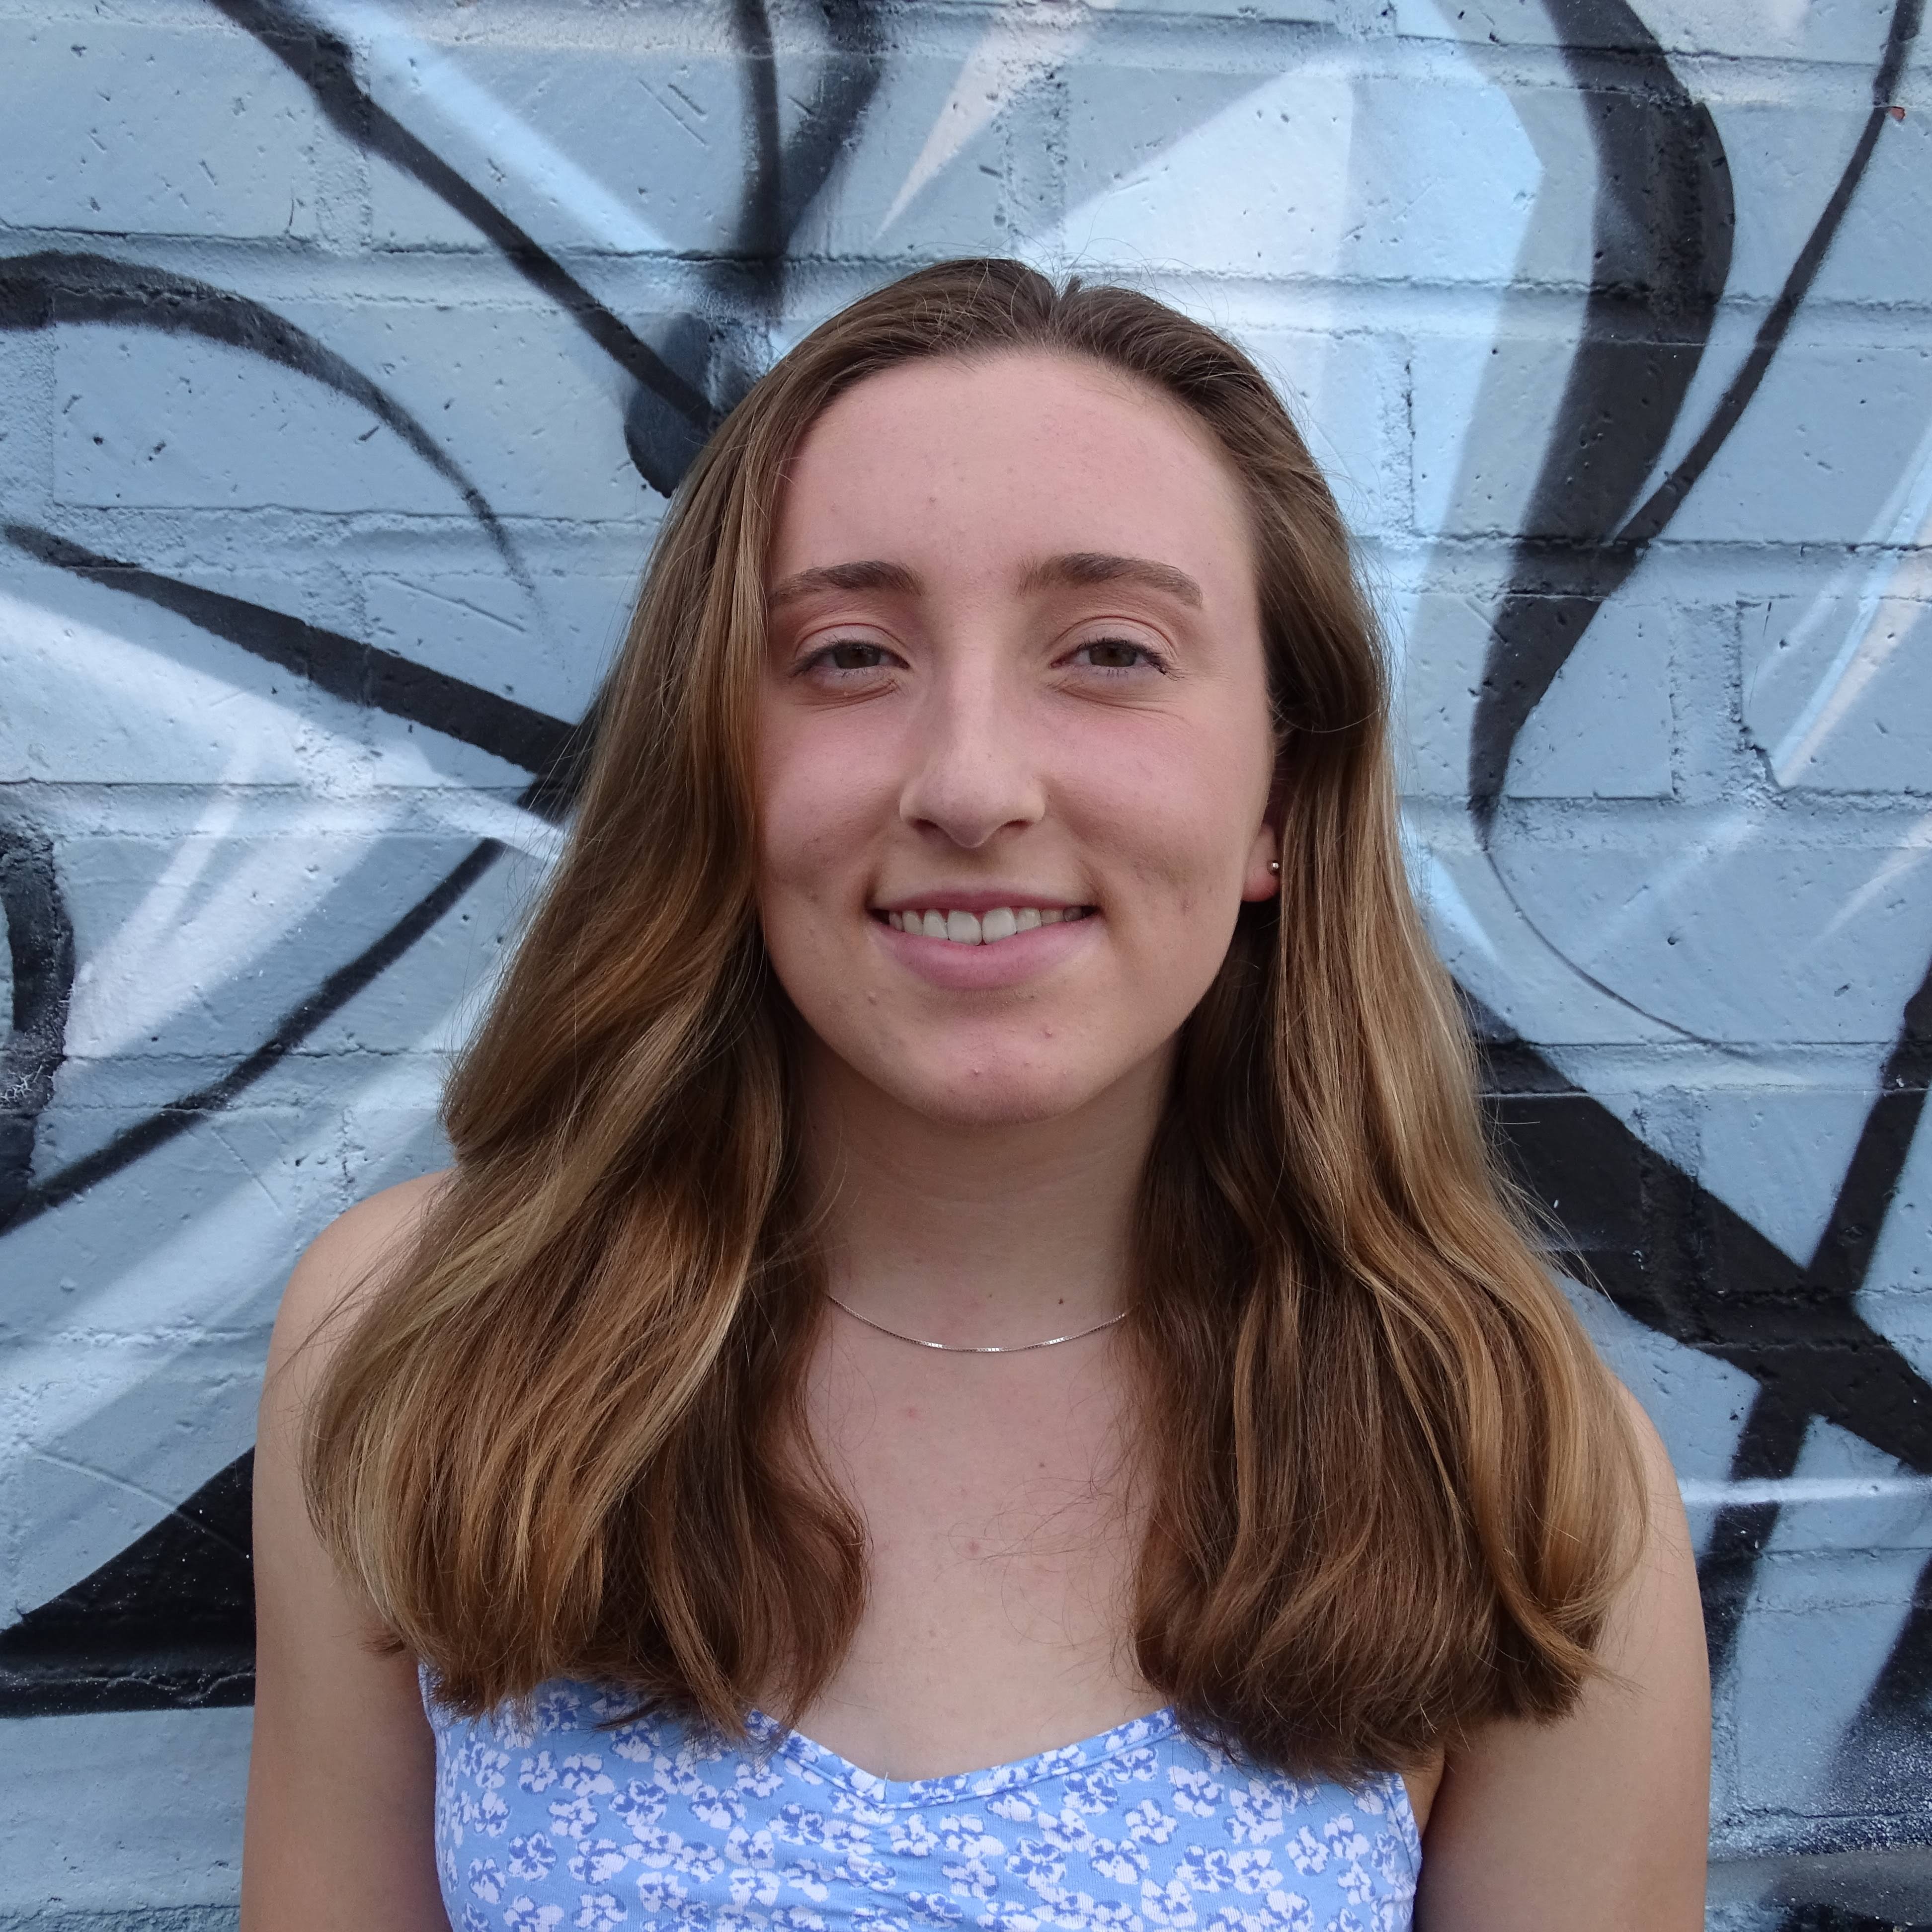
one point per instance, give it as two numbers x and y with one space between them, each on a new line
345 352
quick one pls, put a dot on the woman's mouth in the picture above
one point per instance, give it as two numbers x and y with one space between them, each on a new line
979 928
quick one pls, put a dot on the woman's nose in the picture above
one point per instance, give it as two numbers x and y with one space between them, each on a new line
971 769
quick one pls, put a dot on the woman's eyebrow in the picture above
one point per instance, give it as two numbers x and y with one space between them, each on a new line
1083 567
1076 567
872 575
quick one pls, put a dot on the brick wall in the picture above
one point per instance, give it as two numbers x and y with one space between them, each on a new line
344 354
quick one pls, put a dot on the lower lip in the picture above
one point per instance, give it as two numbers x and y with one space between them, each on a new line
1006 962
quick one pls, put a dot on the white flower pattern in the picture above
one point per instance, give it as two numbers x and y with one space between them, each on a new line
565 1813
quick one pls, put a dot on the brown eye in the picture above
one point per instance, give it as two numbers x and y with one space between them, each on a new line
848 654
1117 654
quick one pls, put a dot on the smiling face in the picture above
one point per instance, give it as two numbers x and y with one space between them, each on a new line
1014 751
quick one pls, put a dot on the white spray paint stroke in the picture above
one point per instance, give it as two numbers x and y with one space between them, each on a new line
1022 42
480 816
1909 852
1869 640
1660 896
215 1271
467 124
1293 215
1700 1492
1487 941
222 899
153 965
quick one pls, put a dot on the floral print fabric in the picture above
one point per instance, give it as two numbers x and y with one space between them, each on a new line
544 1820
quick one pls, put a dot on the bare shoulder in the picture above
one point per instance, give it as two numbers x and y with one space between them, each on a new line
1653 1457
345 1264
342 1772
341 1269
1653 1602
1660 1596
1595 1821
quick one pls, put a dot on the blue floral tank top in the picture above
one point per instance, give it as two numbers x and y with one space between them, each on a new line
544 1820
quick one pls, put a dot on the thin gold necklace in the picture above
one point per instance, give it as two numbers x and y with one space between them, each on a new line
965 1349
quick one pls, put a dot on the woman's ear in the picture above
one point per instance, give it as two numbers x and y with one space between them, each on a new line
1262 879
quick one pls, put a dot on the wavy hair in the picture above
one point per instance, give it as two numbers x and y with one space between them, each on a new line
1394 1491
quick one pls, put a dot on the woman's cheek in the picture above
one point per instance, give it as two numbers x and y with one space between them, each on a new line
818 817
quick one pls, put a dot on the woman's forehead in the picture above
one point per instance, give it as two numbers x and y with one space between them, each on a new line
1026 456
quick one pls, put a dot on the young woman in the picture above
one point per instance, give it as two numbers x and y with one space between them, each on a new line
972 1368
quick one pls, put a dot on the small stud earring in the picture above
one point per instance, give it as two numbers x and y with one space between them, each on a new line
1274 866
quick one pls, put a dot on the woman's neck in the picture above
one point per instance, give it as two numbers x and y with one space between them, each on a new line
975 1234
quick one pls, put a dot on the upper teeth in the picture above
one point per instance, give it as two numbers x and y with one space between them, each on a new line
968 929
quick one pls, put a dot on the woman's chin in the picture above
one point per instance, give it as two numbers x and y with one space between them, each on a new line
989 1091
1019 1107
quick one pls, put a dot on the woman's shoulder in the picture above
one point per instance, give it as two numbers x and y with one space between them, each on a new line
1660 1531
348 1262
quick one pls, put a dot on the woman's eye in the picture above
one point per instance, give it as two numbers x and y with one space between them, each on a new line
848 654
1117 654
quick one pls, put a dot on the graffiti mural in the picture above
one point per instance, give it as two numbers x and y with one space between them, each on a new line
348 353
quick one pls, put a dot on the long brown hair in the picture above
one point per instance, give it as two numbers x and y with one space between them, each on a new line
1395 1492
